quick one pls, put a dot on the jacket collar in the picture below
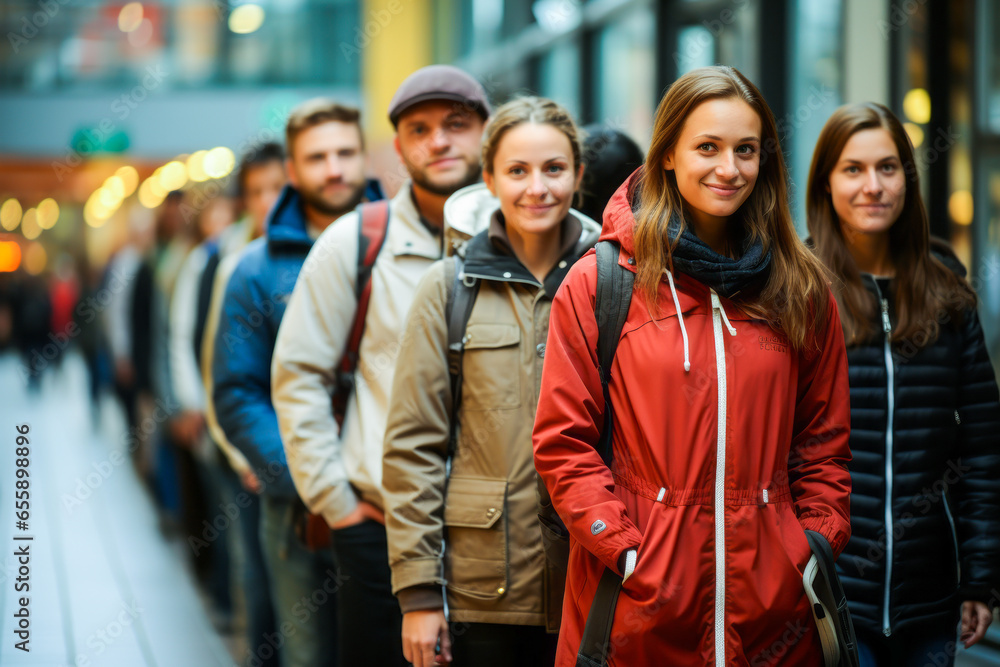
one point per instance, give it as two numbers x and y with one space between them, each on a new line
489 255
286 223
408 234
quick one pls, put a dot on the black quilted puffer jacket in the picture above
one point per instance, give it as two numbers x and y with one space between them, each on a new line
925 504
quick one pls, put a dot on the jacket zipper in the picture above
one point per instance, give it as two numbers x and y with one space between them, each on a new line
954 536
891 398
720 488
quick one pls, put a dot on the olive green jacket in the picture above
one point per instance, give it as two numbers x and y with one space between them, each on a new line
475 531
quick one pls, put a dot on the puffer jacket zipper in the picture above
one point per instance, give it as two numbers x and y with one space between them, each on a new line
954 536
890 409
718 316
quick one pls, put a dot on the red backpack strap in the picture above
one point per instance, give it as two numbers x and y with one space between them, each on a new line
372 230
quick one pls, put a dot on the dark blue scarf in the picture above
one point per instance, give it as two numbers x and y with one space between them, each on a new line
725 275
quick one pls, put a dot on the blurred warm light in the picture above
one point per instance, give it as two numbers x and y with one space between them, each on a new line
10 256
246 19
915 133
35 258
148 197
109 198
10 214
129 177
47 213
960 207
196 166
219 162
173 176
95 213
155 186
917 106
29 225
130 17
116 186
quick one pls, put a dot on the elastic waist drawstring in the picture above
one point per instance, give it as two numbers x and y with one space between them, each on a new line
680 318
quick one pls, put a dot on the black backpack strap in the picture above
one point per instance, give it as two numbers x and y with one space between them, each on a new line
373 227
614 296
461 297
597 633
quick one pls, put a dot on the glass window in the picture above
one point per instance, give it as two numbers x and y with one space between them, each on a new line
560 76
696 48
813 90
89 44
626 90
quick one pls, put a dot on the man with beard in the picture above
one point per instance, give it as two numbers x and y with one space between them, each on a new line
326 162
439 113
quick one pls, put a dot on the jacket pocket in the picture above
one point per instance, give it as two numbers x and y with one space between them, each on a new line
476 541
491 374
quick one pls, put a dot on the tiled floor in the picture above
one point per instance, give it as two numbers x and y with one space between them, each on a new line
106 588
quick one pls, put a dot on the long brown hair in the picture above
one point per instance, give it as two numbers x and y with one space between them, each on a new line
924 289
793 299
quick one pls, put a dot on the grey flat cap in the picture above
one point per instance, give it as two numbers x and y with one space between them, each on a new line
439 82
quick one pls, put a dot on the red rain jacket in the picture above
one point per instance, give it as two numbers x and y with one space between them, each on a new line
718 580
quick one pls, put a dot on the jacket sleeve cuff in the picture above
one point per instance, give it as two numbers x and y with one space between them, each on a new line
348 502
419 598
978 594
828 529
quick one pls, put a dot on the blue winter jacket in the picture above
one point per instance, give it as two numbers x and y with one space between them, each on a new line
254 303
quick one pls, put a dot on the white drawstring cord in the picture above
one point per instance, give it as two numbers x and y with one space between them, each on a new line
680 318
717 302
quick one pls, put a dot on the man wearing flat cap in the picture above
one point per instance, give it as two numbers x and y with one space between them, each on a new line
439 113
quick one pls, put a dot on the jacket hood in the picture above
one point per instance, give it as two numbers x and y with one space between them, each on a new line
286 223
467 212
473 208
727 276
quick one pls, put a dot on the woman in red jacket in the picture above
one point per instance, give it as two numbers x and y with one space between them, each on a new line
730 395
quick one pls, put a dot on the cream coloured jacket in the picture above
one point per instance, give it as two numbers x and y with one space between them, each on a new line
333 470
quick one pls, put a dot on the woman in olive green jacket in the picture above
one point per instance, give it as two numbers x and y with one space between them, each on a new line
462 526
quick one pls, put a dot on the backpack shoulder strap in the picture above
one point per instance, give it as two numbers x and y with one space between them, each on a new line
613 298
614 295
372 229
462 293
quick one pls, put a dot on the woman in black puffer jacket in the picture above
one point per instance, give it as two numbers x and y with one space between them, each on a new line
925 418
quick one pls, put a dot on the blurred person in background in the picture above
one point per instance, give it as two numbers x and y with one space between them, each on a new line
439 113
31 324
474 527
198 460
64 293
924 551
326 167
609 156
127 319
260 178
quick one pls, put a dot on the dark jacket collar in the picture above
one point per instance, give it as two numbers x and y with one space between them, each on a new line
489 255
286 223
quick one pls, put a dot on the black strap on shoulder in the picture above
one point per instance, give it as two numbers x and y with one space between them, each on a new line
597 633
614 296
461 298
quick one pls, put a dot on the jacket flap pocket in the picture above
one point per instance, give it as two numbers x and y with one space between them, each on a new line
474 502
487 336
